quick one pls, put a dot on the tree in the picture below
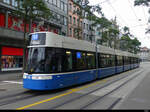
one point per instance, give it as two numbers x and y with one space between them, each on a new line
89 10
104 25
126 30
30 10
128 44
136 45
125 43
113 33
142 2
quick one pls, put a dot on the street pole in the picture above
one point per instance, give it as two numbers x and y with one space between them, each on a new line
96 60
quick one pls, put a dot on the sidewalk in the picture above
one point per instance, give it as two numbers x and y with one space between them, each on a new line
11 76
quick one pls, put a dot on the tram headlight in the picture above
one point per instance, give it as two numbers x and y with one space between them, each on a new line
24 76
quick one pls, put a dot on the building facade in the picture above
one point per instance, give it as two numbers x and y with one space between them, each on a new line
144 54
59 10
74 20
89 32
12 28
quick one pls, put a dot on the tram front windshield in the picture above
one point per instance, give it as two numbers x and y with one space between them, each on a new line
48 60
35 60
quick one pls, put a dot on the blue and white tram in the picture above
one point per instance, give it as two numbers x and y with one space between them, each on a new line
56 62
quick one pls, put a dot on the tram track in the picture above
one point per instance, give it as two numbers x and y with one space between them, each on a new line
13 98
101 97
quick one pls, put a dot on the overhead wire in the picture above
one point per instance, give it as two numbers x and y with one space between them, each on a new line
116 12
120 17
144 13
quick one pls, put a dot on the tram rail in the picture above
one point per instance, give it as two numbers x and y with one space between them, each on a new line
101 97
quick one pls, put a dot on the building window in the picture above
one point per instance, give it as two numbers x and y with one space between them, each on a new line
81 23
65 8
6 1
87 26
47 1
14 3
62 20
74 20
70 19
74 32
50 1
84 26
65 21
21 4
58 3
12 58
84 36
70 7
55 2
62 6
58 18
74 8
70 31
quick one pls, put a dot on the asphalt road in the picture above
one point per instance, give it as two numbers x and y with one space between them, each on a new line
128 90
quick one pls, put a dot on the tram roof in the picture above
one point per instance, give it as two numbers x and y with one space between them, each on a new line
54 40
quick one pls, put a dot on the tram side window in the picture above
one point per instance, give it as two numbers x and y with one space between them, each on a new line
80 60
112 60
102 60
131 59
119 60
90 60
59 60
68 61
126 60
106 60
50 65
134 60
137 60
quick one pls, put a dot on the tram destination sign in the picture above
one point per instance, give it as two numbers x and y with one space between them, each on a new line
37 39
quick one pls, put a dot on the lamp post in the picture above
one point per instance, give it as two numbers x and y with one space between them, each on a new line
96 55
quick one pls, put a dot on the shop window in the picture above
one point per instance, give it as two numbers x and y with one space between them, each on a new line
12 63
12 58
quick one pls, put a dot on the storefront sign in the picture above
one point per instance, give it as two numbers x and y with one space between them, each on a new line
12 51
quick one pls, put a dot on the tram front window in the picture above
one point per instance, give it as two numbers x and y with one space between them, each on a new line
48 60
36 60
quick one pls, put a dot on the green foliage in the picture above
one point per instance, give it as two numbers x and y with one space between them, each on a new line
128 44
141 2
33 9
30 10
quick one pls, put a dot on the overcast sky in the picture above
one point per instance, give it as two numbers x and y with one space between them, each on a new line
136 18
